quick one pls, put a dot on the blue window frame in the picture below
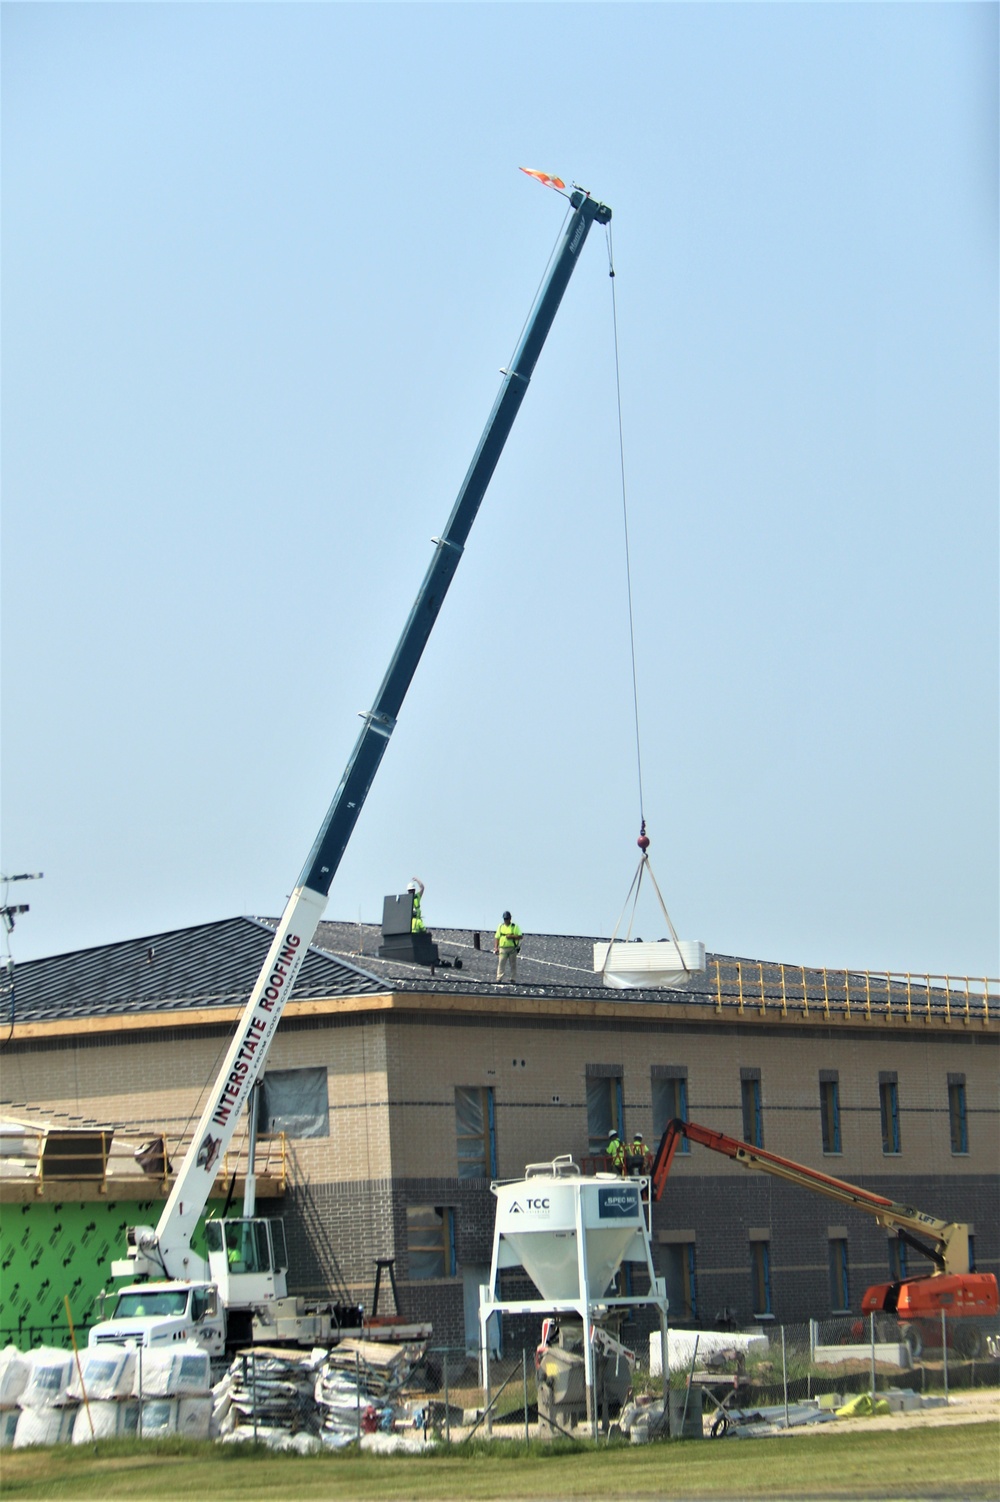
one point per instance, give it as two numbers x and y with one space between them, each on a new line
753 1116
829 1112
475 1131
888 1099
670 1103
957 1114
898 1260
605 1109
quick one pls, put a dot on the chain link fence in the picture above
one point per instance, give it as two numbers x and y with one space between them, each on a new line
408 1396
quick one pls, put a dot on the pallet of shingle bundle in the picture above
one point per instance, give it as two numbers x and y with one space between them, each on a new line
106 1418
46 1413
271 1387
104 1373
14 1370
183 1371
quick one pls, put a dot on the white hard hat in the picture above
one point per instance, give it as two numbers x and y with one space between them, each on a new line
411 886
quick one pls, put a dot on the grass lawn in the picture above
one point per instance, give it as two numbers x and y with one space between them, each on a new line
950 1461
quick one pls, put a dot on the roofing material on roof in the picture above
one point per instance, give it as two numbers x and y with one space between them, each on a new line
211 964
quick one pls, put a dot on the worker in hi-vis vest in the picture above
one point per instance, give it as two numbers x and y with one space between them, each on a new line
506 944
416 889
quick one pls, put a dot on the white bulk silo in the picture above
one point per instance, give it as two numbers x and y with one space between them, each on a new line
571 1234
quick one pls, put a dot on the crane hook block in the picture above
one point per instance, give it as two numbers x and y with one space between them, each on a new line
643 840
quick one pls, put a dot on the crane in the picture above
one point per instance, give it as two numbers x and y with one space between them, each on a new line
952 1287
247 1262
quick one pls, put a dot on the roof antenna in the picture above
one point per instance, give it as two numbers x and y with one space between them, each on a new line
9 913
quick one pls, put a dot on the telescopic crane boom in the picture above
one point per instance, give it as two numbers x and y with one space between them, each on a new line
166 1251
951 1286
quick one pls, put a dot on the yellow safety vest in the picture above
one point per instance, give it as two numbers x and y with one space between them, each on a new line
508 936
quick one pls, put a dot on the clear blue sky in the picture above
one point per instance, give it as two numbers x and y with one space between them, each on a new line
261 267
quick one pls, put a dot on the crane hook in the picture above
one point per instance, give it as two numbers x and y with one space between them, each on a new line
643 840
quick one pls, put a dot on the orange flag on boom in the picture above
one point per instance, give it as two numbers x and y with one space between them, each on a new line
543 177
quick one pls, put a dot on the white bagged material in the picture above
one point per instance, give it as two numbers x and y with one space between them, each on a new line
49 1376
275 1439
14 1370
191 1417
159 1417
8 1426
111 1418
45 1426
184 1370
194 1418
108 1372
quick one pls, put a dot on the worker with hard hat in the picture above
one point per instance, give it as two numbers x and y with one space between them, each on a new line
416 889
616 1151
507 945
635 1155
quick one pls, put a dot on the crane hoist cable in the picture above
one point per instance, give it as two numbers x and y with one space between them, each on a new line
644 868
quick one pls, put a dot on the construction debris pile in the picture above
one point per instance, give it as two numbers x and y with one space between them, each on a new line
322 1399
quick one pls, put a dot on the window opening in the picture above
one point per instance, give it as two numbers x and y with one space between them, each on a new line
829 1113
295 1101
888 1095
605 1109
957 1119
680 1275
760 1274
898 1261
430 1238
840 1298
475 1131
670 1103
753 1123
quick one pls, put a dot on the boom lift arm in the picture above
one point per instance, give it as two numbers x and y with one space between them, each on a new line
951 1286
167 1250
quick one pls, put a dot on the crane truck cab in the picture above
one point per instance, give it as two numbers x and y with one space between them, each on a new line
246 1272
159 1315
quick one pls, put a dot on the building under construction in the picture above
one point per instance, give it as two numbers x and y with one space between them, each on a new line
394 1093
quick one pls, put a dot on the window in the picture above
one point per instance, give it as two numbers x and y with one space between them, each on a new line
294 1101
475 1129
753 1125
888 1099
840 1298
430 1240
670 1100
897 1259
760 1276
679 1273
829 1110
957 1114
604 1105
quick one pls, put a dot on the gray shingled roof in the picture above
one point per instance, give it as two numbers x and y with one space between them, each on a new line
218 963
183 969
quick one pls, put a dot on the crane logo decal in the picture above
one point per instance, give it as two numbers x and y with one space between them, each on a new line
262 1021
209 1151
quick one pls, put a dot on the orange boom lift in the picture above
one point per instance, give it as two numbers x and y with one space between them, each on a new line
950 1287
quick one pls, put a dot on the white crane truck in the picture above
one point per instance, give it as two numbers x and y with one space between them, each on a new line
240 1294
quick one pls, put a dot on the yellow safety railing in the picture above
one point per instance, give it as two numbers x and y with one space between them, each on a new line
873 994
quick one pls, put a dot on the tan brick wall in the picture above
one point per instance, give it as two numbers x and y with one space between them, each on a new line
392 1079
